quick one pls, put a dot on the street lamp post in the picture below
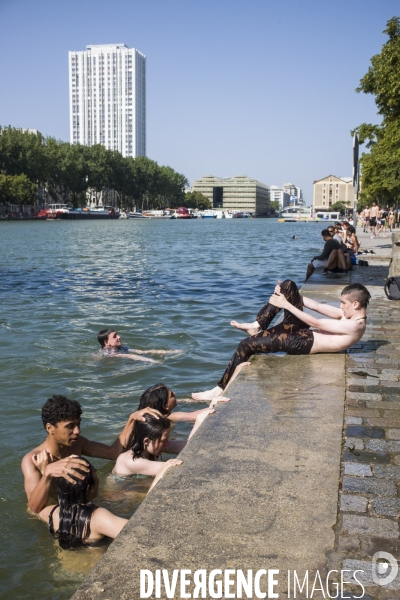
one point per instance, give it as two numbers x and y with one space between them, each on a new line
355 177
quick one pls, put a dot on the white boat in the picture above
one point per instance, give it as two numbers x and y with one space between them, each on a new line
138 215
295 213
209 213
327 217
227 214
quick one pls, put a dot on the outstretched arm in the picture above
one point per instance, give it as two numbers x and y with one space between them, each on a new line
342 327
172 462
99 450
323 309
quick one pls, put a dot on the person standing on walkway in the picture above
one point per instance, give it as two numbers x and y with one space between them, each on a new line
373 218
391 218
366 213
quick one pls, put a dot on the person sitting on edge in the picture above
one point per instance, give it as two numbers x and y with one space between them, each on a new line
162 398
148 441
59 454
327 259
111 345
293 335
75 521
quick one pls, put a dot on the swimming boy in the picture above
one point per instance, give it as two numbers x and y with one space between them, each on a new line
59 454
293 335
111 345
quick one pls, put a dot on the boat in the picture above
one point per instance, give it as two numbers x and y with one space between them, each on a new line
291 214
64 211
209 213
327 217
138 215
181 213
240 214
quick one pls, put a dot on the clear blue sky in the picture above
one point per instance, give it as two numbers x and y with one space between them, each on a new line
258 87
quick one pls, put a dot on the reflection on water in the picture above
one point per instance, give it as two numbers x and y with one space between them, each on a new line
161 284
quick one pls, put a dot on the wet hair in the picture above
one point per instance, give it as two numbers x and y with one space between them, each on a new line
75 512
156 397
59 408
357 292
151 428
102 336
351 229
326 233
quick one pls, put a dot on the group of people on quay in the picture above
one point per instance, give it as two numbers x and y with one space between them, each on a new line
340 250
61 485
378 220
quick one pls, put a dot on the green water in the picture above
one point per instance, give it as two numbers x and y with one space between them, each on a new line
161 284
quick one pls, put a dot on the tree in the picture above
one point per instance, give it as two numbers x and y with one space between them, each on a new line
69 170
340 207
381 167
17 189
274 206
196 200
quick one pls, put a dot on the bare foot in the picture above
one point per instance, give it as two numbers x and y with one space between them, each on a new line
208 394
251 328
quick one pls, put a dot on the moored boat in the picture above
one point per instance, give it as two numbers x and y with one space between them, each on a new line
138 215
209 213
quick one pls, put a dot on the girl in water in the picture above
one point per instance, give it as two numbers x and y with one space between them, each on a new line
149 439
75 521
163 399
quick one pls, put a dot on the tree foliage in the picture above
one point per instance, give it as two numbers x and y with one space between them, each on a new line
17 189
197 200
340 206
381 167
67 171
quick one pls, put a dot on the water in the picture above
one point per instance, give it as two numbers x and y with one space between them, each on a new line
161 284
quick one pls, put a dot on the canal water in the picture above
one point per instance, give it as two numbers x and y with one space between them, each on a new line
162 284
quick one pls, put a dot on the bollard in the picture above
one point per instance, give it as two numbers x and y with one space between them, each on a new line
394 267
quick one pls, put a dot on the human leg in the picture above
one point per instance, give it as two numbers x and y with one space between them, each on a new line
288 337
268 312
310 271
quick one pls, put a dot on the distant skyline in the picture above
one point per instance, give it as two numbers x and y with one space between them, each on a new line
261 88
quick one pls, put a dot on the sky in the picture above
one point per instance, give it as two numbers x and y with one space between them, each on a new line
264 88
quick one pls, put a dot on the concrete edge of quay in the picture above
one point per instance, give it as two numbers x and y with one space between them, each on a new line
300 471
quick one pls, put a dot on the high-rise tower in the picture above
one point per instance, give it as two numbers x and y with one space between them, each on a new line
107 98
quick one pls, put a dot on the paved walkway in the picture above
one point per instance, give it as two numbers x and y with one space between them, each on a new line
369 500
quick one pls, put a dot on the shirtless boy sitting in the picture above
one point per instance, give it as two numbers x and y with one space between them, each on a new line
293 335
59 455
111 345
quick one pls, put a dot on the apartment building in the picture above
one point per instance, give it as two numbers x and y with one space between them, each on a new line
332 189
107 98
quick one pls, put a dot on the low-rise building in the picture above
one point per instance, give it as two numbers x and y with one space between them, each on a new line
332 189
235 193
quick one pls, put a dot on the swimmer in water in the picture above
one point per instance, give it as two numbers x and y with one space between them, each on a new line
75 521
148 441
161 398
60 453
111 345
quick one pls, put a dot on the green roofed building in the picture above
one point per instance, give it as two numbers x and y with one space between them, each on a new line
235 193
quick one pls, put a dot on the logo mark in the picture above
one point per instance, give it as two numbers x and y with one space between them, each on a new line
384 571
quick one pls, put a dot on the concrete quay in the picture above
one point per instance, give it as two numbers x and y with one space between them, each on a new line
300 471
